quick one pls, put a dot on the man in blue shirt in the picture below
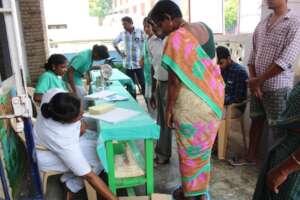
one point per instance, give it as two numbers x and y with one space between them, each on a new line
234 75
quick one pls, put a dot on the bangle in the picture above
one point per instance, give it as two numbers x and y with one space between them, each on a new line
295 159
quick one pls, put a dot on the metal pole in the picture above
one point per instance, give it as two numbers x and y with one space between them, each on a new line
31 152
189 7
238 17
3 181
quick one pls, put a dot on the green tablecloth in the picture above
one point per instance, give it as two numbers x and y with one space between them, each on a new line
138 127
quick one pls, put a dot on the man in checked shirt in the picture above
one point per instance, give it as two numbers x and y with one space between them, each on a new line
276 45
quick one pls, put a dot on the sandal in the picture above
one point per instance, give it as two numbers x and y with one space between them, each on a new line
158 162
240 162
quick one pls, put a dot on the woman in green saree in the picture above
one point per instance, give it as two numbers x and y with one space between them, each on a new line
280 175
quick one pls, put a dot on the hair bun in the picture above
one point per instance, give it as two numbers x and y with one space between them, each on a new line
46 111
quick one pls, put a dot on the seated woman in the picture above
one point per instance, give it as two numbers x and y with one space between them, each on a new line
69 149
52 77
280 175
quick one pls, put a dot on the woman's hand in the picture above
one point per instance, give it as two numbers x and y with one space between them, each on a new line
275 178
83 127
169 118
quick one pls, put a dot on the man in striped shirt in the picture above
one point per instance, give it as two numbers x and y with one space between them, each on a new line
133 39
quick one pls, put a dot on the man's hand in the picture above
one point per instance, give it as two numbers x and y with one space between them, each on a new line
153 102
123 54
255 86
258 93
141 62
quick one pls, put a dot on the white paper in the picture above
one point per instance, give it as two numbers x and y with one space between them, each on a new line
100 95
116 98
114 116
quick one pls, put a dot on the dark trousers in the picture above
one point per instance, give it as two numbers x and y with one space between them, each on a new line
137 74
163 147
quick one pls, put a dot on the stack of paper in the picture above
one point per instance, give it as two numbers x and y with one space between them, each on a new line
114 116
100 95
116 98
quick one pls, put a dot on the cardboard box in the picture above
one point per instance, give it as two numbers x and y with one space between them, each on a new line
161 197
153 197
134 198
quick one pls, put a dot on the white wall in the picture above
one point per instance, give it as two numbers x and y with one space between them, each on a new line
211 13
73 13
250 14
292 4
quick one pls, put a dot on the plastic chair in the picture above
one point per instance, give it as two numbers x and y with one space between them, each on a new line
91 193
225 128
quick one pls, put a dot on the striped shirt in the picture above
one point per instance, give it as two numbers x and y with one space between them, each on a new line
133 44
278 43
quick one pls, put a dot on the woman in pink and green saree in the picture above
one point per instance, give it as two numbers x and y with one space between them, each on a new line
195 96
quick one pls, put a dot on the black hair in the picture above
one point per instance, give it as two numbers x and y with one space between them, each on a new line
63 107
127 19
101 51
163 8
54 59
222 52
147 20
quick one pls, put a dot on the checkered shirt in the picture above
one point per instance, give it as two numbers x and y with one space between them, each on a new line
280 44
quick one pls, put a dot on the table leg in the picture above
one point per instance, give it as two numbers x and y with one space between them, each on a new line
149 166
110 166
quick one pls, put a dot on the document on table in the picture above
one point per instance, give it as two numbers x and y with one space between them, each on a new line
114 116
116 98
100 95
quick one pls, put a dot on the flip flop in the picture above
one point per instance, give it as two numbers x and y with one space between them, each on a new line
158 162
236 162
196 197
207 195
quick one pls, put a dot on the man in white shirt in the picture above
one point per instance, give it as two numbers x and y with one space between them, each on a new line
164 145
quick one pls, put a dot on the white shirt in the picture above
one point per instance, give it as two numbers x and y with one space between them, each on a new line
156 46
62 141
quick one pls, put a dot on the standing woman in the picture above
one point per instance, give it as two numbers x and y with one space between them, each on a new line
146 61
195 96
55 67
280 175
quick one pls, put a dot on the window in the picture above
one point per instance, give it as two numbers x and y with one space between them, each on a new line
57 26
5 62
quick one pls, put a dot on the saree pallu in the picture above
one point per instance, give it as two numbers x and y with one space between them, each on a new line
290 119
196 126
198 108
